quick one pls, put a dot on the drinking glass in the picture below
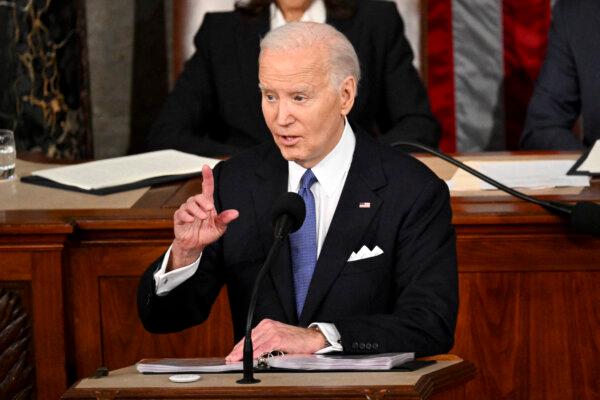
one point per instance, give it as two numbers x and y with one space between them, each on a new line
8 154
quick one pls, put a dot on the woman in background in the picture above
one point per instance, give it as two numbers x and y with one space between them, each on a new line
215 106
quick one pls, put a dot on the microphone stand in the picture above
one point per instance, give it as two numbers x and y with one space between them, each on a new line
280 235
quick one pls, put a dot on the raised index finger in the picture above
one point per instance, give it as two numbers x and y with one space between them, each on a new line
208 182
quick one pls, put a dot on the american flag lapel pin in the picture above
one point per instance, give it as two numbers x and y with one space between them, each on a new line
364 204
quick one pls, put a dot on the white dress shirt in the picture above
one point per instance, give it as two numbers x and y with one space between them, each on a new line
331 173
316 12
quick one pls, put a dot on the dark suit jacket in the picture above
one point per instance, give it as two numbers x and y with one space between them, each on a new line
403 300
569 81
215 107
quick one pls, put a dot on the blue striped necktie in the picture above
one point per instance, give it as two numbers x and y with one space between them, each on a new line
303 243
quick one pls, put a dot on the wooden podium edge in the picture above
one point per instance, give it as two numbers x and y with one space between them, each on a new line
438 380
425 387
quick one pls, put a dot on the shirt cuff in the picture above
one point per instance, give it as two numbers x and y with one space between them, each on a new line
332 335
167 281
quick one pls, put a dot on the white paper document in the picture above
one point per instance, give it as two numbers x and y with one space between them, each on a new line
334 361
591 164
178 365
531 174
129 169
302 362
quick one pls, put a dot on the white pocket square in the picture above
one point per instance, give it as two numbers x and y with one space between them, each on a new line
364 252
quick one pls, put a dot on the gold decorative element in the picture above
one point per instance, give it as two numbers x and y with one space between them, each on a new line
38 56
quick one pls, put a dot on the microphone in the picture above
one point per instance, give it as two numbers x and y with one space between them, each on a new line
289 211
288 214
584 217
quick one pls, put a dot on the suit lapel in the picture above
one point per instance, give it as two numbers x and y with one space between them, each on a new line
250 31
349 223
272 177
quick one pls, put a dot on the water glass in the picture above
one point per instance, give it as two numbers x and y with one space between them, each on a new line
8 154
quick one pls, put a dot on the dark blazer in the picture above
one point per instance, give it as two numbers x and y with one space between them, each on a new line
214 108
569 82
403 300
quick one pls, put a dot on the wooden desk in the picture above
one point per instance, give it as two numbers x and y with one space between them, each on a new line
443 378
529 301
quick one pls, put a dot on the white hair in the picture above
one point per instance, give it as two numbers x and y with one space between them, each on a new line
343 61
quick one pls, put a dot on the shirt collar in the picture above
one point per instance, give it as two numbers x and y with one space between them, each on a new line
316 12
331 170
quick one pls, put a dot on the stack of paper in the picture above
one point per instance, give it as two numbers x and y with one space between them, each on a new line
532 174
122 173
302 362
340 362
179 365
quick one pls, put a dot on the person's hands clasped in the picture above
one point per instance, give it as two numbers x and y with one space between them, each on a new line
197 224
271 335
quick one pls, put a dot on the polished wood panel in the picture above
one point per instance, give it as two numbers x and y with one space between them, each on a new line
48 327
88 262
564 308
532 335
104 320
434 382
490 326
527 252
31 260
129 340
17 266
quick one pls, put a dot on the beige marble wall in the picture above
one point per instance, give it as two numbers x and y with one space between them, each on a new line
110 25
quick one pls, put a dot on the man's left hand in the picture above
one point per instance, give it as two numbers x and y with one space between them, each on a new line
272 335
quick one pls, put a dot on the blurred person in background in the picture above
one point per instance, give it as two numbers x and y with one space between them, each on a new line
214 108
569 82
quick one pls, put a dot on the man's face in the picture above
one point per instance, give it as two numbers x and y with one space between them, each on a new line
303 112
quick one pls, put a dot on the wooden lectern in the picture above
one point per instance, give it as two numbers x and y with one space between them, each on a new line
435 381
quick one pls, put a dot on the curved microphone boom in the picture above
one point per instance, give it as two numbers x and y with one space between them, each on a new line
289 211
583 216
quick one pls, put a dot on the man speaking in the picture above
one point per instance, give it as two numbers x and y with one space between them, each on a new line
373 267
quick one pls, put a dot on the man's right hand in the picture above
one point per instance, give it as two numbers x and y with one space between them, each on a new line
197 224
